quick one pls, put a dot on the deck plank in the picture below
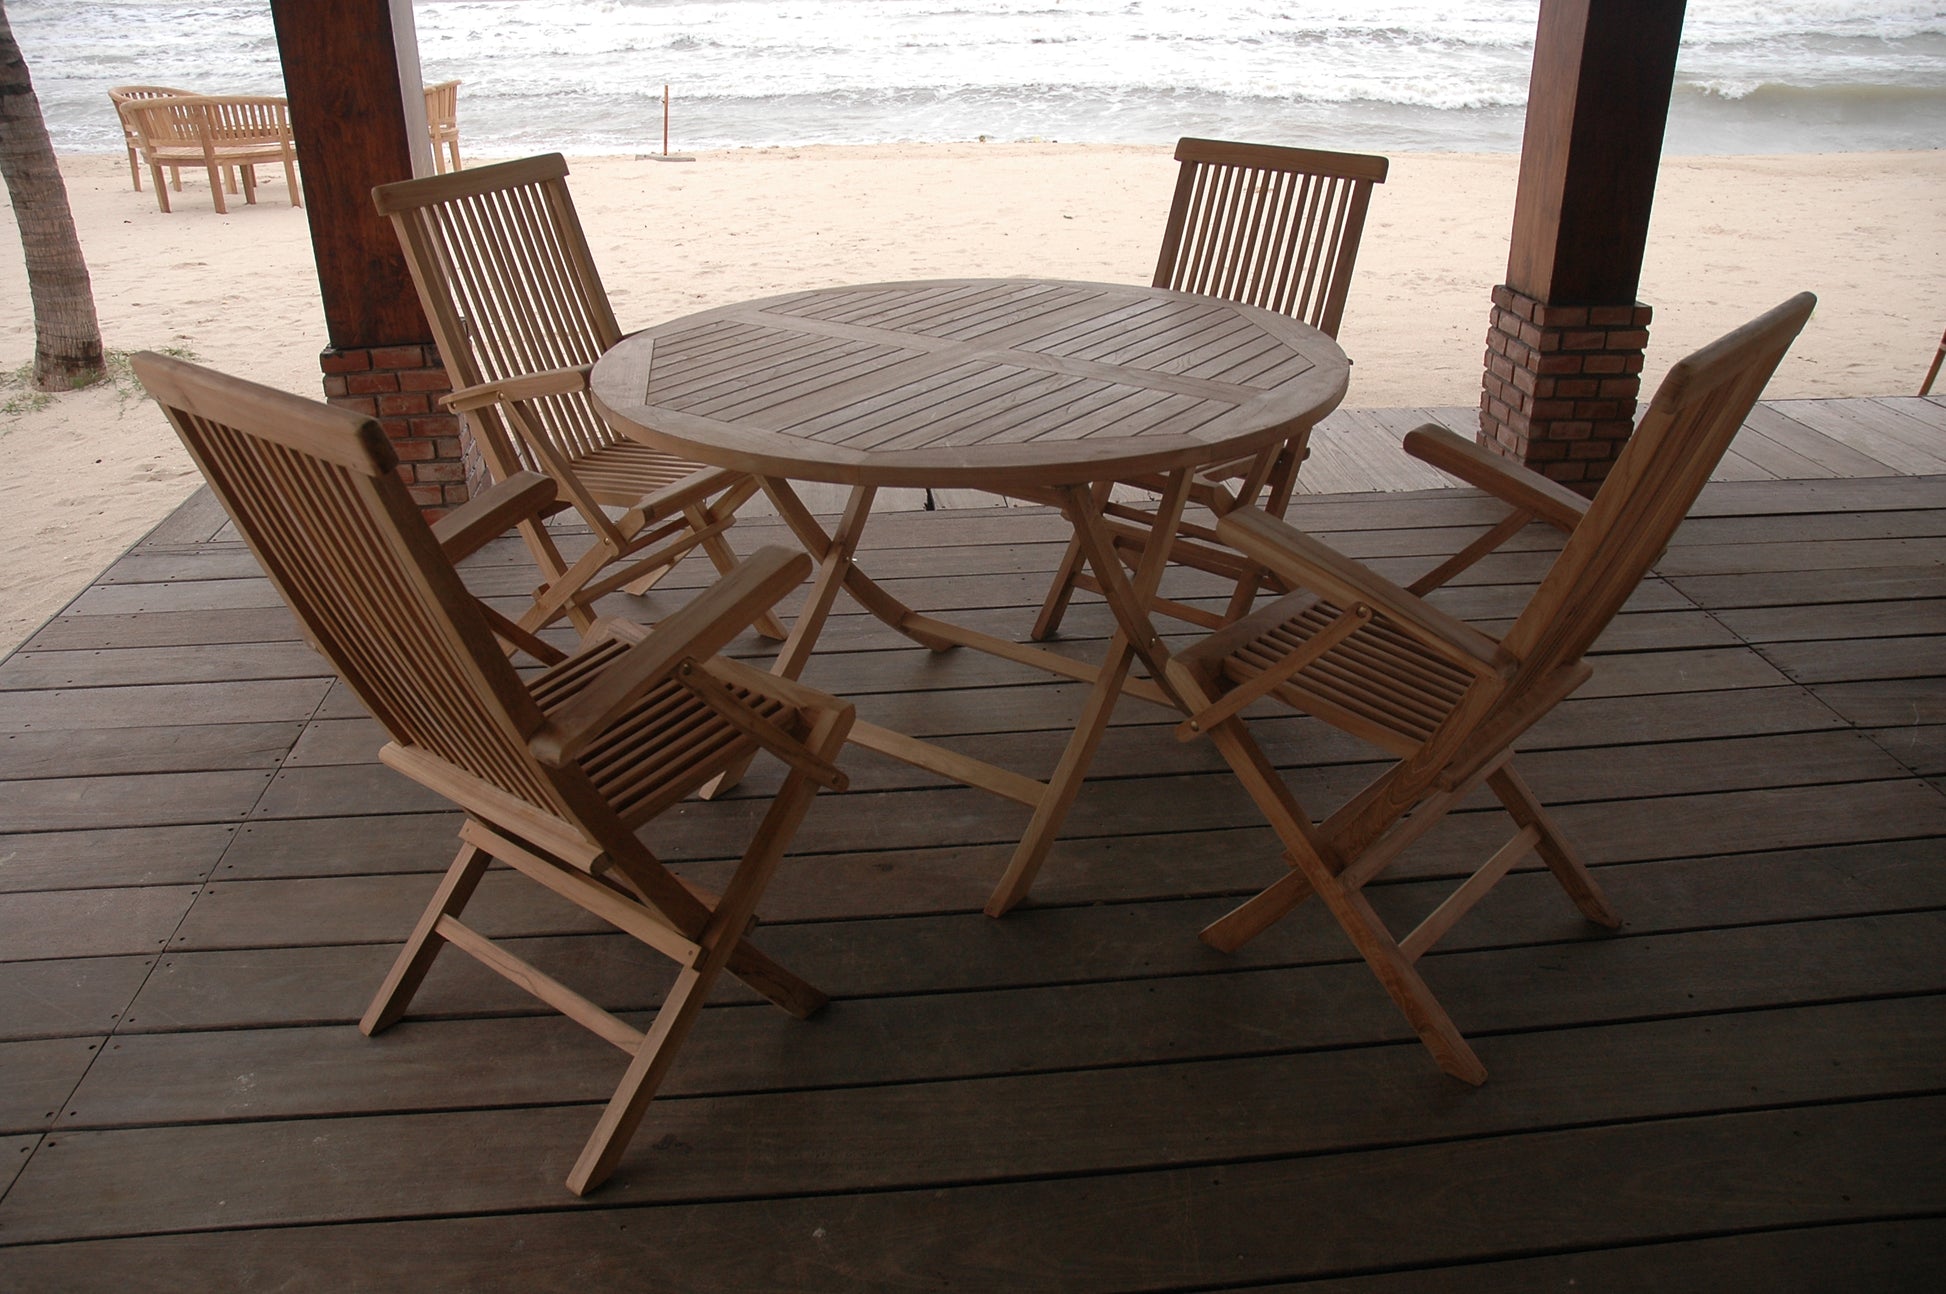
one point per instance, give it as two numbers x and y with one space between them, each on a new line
1747 773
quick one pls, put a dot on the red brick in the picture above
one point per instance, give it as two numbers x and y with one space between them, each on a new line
1531 334
402 406
1575 388
436 424
398 357
447 446
424 379
334 384
345 361
1540 451
1559 362
1584 339
426 496
1549 410
1561 316
1611 316
458 494
1641 315
371 383
1632 363
441 472
414 450
364 404
1524 380
1605 364
1621 388
1588 449
1628 338
1571 430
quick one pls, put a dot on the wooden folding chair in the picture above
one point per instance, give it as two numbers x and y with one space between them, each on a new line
442 124
556 773
1271 227
1450 702
520 315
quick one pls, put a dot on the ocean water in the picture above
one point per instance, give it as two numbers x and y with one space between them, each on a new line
587 76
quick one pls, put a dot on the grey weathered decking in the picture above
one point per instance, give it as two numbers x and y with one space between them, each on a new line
204 872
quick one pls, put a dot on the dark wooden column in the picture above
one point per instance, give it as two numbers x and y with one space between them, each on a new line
342 75
1565 348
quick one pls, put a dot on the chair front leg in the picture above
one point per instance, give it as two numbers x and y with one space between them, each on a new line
1319 869
734 913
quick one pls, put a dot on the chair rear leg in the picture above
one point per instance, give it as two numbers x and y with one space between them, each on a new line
724 558
1526 811
416 958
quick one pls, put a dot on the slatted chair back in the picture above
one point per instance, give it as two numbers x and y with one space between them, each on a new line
124 95
316 494
442 124
510 289
168 123
1695 414
1267 226
246 120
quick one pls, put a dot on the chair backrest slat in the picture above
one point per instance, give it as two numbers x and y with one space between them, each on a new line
1272 227
1696 412
315 492
501 262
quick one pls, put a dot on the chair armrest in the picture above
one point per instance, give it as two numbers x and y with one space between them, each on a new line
522 496
673 498
697 631
1506 480
528 386
1306 563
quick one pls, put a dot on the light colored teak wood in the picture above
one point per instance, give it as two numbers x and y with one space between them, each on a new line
442 123
124 95
1046 390
520 314
1267 226
556 773
1449 702
216 132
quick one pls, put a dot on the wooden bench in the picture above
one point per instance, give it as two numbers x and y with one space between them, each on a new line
216 131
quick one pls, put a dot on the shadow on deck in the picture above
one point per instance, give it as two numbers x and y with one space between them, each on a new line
205 873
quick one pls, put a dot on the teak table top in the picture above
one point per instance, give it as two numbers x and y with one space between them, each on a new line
971 382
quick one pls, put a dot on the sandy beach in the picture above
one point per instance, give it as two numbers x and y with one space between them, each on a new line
88 473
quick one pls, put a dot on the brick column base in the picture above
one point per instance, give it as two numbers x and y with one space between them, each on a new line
401 386
1561 383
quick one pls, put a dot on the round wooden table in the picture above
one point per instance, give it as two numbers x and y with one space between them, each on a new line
995 384
1039 389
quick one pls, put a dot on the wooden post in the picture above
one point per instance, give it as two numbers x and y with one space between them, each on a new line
344 69
1567 337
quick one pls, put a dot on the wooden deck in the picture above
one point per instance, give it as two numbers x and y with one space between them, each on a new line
1743 1089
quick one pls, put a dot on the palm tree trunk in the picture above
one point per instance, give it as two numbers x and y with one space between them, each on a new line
67 338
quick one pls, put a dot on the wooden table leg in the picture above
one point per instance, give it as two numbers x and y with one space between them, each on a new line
834 553
1136 637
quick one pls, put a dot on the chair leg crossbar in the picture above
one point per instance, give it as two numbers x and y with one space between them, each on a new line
702 957
1316 857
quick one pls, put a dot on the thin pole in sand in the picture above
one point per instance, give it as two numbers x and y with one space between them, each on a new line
664 155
